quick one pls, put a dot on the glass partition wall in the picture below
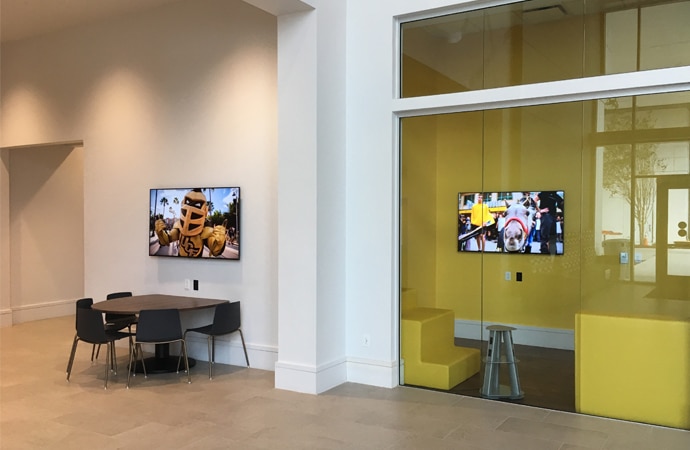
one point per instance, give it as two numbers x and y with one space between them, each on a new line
593 282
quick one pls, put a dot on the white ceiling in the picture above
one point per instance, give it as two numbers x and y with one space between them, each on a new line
20 19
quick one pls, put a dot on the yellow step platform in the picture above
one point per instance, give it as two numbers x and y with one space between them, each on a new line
429 352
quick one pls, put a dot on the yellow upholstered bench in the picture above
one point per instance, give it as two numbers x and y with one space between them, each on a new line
633 368
430 356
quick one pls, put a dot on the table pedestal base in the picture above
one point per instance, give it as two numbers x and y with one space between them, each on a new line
162 365
162 362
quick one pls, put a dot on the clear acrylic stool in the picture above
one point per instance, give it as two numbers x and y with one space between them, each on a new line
495 359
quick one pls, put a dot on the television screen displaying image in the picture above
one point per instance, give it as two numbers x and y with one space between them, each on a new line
511 222
195 223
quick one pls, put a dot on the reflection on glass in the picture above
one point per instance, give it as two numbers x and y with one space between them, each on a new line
678 243
664 158
636 158
644 204
617 114
643 257
614 209
538 41
662 110
664 34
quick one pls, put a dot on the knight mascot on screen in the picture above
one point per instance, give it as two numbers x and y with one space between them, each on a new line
191 229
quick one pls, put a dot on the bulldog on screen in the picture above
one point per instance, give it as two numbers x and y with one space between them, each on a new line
518 224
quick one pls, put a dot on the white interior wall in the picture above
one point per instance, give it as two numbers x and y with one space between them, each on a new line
176 96
46 229
5 306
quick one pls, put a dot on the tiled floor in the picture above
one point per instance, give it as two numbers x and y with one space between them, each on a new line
241 409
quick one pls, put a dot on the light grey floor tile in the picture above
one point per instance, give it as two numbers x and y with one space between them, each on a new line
544 430
240 408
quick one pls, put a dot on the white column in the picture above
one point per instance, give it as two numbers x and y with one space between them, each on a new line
311 198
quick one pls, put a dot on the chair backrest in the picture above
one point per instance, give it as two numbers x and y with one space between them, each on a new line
82 303
111 296
90 326
159 325
226 318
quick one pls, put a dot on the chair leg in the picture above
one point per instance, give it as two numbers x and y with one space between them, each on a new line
113 358
186 362
71 356
132 361
108 361
140 352
132 369
129 366
179 357
246 357
98 351
211 355
131 341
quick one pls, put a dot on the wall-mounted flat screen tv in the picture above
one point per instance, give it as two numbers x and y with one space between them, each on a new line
511 222
195 223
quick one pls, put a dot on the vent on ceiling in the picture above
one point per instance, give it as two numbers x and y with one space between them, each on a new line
544 14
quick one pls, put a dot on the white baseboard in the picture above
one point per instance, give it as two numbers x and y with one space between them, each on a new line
373 372
29 313
310 379
5 318
539 337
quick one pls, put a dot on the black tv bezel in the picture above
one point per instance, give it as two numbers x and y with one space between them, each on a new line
183 191
533 193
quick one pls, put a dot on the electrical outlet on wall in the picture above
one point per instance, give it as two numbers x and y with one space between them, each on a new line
507 276
187 284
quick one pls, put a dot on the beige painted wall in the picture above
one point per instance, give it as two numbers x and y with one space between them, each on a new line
5 307
180 95
46 228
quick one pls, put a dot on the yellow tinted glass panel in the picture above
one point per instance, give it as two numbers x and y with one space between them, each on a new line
539 41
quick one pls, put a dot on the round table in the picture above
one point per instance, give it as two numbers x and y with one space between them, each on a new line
161 362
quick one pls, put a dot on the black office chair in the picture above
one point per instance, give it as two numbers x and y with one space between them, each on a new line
157 326
82 303
91 329
226 320
117 322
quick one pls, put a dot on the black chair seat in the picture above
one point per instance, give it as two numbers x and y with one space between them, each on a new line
206 329
119 321
114 335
